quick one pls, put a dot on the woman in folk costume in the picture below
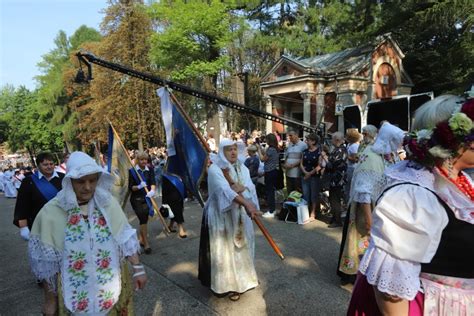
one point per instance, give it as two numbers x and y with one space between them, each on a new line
420 257
79 241
10 190
226 252
367 183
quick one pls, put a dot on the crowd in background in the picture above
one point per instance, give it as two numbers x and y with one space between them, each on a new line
280 164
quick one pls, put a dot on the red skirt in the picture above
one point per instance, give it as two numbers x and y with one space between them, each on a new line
363 301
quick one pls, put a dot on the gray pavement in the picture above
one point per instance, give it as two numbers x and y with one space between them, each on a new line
304 283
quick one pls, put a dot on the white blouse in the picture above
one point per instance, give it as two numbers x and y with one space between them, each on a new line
407 225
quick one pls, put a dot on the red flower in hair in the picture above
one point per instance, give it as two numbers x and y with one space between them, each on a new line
444 136
418 152
468 108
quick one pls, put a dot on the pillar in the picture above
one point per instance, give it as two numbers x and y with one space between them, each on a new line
268 109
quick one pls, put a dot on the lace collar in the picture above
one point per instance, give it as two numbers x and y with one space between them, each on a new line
462 206
409 171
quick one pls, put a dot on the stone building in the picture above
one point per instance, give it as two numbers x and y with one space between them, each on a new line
317 89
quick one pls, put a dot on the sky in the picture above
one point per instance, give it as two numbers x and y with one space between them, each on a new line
28 29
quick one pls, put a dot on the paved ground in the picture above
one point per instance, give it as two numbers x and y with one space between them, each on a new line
303 284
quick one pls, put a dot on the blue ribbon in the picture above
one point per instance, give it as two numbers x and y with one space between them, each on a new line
47 190
176 181
151 210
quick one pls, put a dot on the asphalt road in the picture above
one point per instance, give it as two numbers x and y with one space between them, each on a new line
304 283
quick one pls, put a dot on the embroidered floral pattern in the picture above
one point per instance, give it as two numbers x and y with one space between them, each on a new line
102 231
74 231
104 271
348 263
77 273
80 301
106 300
91 271
363 244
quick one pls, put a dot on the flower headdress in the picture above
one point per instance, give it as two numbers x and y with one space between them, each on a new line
428 146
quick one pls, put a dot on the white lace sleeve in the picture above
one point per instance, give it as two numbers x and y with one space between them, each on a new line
366 186
128 242
389 274
45 261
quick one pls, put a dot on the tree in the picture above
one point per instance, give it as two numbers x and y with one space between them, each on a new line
190 44
27 126
53 98
130 103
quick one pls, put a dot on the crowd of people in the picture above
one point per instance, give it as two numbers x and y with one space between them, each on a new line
404 201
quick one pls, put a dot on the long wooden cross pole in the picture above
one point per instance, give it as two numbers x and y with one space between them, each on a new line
155 206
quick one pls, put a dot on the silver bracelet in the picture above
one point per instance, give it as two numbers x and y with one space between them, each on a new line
137 266
138 274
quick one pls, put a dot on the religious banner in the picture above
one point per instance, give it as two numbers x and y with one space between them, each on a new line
187 156
118 164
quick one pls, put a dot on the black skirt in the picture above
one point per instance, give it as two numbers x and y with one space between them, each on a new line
173 198
204 274
141 209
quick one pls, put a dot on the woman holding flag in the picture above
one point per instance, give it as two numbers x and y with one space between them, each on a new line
140 177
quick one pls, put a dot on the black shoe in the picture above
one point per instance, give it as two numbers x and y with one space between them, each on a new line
334 225
147 251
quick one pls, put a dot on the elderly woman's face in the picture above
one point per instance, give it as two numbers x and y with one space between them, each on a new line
336 141
85 187
231 153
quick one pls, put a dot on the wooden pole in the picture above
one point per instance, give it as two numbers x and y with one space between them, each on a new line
155 206
259 223
269 238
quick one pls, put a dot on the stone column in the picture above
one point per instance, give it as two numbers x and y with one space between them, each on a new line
268 109
306 95
320 102
343 99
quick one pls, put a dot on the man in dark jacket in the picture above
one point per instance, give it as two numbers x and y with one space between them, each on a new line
35 191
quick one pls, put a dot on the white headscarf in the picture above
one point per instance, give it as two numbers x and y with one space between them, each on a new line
79 165
219 159
389 139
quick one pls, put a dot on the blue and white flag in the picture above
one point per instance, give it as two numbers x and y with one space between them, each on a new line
187 156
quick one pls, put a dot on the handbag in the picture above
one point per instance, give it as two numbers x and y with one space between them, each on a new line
166 212
303 214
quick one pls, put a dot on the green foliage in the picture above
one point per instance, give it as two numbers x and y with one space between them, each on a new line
27 127
129 103
191 37
205 43
53 100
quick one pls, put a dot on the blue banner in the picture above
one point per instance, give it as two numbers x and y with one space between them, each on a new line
189 160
